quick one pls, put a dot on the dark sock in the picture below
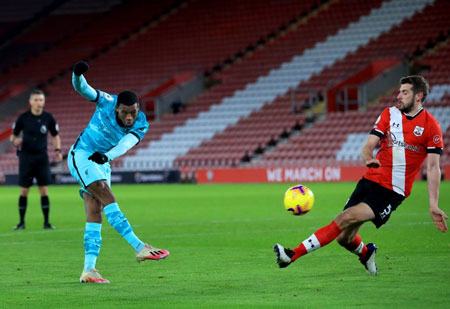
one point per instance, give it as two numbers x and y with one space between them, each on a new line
22 208
45 205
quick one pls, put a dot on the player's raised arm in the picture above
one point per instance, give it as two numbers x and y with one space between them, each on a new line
79 82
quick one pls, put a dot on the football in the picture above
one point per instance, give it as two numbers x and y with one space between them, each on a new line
298 200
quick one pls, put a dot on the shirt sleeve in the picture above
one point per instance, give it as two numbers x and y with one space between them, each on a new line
381 124
435 142
104 99
141 127
125 144
53 126
18 126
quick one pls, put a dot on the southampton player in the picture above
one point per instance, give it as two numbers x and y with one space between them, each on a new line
116 126
407 134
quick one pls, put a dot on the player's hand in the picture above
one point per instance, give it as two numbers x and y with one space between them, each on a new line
17 142
439 219
373 163
80 67
98 158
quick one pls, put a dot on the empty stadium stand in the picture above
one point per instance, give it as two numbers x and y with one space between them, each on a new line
162 153
61 21
248 117
131 60
339 137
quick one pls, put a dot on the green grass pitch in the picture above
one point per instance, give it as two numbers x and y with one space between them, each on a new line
220 238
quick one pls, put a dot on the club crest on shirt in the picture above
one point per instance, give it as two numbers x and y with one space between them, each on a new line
43 129
418 131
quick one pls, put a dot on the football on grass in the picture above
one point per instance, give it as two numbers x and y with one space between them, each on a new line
298 200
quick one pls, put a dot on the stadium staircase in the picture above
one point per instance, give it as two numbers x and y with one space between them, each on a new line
263 127
331 144
252 102
398 43
162 153
234 76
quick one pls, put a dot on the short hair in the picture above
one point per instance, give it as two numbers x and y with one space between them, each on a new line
36 91
419 84
127 98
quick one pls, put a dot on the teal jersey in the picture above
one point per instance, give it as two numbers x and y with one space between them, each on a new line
103 132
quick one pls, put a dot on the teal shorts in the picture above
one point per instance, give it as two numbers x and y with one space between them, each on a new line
86 171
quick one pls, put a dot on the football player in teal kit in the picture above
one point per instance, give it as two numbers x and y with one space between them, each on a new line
115 127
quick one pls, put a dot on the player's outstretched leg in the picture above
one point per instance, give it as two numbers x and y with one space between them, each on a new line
92 245
320 238
120 223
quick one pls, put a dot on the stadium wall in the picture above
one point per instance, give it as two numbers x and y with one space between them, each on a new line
167 176
332 173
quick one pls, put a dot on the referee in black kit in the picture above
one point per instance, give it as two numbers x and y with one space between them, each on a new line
30 138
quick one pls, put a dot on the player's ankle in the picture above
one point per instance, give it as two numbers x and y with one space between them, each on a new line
363 253
298 252
297 255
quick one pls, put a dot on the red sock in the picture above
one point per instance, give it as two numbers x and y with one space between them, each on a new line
357 246
320 238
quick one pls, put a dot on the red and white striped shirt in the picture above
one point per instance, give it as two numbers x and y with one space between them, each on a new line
405 142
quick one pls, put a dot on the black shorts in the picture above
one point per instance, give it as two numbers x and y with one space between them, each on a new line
380 199
33 166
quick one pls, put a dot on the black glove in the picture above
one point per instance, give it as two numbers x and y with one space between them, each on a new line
80 67
98 158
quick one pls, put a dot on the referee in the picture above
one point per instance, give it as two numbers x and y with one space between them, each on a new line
30 138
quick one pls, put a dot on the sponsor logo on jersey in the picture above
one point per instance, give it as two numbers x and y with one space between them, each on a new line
393 142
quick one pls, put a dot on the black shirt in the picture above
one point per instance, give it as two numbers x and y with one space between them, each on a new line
35 129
